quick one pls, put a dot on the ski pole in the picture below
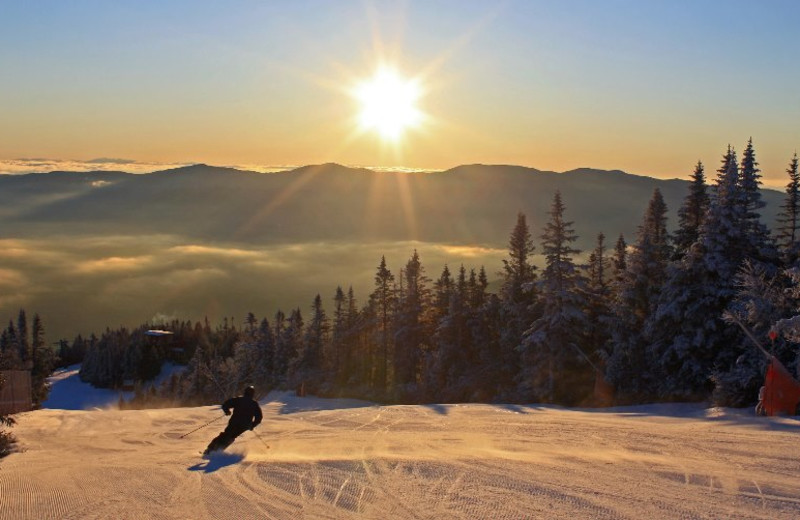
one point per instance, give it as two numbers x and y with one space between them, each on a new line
200 427
259 438
736 319
214 379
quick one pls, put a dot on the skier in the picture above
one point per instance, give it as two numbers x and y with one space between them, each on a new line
246 416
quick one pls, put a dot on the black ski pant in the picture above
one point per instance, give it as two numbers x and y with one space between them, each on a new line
226 438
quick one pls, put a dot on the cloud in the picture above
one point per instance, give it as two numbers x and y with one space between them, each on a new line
41 165
11 279
204 250
115 263
85 284
469 252
38 165
107 160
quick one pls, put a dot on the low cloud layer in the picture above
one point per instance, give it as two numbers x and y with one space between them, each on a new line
83 285
40 165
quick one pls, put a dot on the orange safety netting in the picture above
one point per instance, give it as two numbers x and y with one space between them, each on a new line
781 390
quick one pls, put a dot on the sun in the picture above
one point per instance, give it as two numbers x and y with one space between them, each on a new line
388 103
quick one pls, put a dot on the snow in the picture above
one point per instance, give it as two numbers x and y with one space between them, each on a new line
342 459
68 392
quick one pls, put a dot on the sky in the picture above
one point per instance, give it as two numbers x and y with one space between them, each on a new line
646 87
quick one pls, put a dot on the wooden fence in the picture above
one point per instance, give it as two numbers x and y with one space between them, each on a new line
15 395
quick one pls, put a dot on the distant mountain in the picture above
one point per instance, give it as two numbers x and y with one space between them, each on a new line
475 204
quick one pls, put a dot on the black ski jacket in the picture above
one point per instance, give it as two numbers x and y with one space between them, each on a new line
246 412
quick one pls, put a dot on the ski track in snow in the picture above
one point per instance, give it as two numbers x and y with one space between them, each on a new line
405 462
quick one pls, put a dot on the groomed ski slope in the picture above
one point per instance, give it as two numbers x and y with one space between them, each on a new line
346 459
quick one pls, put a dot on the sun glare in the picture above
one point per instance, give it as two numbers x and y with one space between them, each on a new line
388 104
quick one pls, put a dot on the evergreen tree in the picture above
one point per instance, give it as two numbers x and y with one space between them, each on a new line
282 352
9 348
308 367
412 329
452 362
383 302
338 355
619 261
761 300
42 363
23 344
759 245
553 366
517 310
265 363
442 292
355 339
250 325
619 266
492 374
519 273
7 440
478 285
598 302
630 369
688 337
789 217
692 213
293 336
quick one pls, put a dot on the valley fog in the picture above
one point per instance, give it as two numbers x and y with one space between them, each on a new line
84 284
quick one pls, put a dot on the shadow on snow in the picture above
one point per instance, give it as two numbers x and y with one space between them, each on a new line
217 461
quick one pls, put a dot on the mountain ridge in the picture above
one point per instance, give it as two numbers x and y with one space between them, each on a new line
467 204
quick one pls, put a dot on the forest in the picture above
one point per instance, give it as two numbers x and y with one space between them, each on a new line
642 319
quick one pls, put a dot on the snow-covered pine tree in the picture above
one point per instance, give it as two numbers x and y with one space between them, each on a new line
433 367
518 271
553 366
246 355
42 363
760 301
692 213
292 343
383 308
308 368
24 346
355 339
688 336
282 349
442 292
7 440
788 329
760 246
619 262
452 356
598 302
412 329
263 376
478 285
629 367
9 348
337 356
789 218
517 309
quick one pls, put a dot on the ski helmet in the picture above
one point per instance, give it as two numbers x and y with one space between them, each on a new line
250 391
